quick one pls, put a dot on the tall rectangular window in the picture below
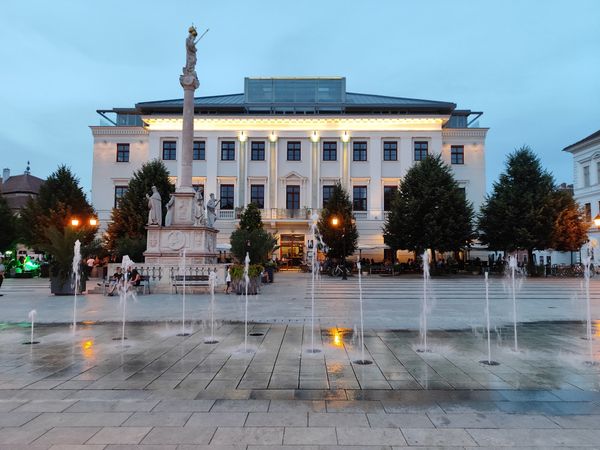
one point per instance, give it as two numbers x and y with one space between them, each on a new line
294 151
586 176
457 154
421 150
463 191
257 150
169 150
598 173
359 151
327 193
226 196
588 212
292 197
257 195
122 152
330 151
388 196
359 198
228 151
199 151
119 193
390 151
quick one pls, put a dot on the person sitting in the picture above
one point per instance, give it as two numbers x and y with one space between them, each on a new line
115 281
134 278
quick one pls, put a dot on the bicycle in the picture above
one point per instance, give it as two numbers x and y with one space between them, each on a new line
338 271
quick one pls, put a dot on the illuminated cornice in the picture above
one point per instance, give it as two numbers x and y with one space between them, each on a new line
340 123
112 130
464 132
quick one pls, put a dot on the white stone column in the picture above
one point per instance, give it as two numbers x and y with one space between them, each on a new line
272 171
315 139
345 162
242 178
184 160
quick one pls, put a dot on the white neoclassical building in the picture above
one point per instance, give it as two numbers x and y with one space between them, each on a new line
586 178
283 143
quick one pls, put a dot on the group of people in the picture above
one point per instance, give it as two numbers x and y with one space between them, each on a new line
117 281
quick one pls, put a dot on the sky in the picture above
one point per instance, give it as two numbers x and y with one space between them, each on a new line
532 67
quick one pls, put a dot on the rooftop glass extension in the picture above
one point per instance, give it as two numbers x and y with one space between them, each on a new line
295 90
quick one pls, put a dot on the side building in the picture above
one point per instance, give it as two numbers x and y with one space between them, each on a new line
283 143
586 178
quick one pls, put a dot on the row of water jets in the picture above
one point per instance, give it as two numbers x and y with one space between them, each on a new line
126 291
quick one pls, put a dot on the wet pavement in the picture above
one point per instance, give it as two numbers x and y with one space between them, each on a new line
157 390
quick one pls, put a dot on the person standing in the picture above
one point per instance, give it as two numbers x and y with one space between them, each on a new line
228 280
2 270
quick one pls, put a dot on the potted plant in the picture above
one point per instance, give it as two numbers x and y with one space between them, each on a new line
239 284
60 247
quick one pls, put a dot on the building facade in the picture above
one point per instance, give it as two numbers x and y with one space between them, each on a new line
586 178
283 144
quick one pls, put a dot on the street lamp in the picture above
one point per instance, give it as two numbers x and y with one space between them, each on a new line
75 222
93 222
597 221
335 221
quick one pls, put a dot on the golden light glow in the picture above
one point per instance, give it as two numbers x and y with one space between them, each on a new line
87 348
596 328
314 136
316 123
243 137
335 221
597 220
345 137
273 137
337 335
93 222
75 222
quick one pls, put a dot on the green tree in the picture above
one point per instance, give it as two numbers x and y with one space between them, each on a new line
523 209
60 199
251 237
341 239
126 234
429 211
8 226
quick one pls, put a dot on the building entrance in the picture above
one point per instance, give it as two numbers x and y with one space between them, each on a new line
291 251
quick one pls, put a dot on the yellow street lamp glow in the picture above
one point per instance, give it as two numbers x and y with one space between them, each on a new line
345 137
597 220
75 222
335 221
93 222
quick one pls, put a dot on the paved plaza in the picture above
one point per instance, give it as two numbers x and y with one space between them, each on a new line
157 390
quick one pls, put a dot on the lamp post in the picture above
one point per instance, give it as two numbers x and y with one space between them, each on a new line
597 221
335 221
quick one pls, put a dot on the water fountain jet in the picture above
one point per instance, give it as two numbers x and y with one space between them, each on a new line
489 361
362 359
424 306
31 316
588 256
212 280
313 228
512 267
183 333
75 267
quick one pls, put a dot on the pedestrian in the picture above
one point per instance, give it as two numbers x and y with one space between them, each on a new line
2 270
228 280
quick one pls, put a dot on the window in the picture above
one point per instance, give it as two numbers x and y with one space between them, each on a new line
586 176
421 150
457 154
257 151
463 191
588 212
293 151
122 152
199 187
359 198
226 196
327 193
257 195
199 151
169 152
390 151
359 151
388 195
329 151
292 197
119 193
228 151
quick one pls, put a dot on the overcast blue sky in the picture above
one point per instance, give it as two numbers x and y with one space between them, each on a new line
532 67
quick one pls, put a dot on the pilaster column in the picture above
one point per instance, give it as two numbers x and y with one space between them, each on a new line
273 171
190 83
242 171
345 165
315 139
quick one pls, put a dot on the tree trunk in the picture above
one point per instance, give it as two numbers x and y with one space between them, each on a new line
530 262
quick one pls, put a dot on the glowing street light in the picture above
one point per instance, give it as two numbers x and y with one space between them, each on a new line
597 221
93 222
335 221
75 222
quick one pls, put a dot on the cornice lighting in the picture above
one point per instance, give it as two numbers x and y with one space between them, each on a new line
243 136
345 137
314 136
273 137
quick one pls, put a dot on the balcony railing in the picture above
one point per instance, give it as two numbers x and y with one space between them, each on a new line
303 214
